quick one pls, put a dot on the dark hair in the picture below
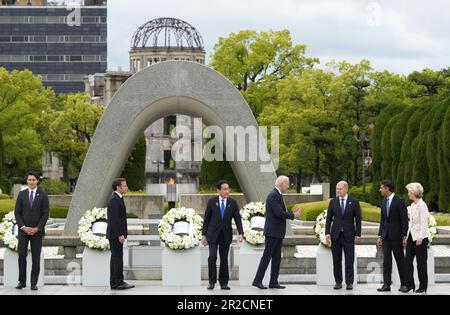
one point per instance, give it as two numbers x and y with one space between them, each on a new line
220 183
117 182
34 174
388 184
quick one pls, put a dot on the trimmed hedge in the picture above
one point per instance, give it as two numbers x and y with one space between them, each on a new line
310 211
3 197
54 186
56 212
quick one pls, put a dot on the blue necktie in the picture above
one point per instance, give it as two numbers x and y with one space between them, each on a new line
222 208
31 199
388 206
343 206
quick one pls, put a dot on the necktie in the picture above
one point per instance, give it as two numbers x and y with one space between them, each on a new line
31 199
388 206
343 206
222 208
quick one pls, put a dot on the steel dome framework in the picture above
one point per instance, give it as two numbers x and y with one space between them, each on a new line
167 33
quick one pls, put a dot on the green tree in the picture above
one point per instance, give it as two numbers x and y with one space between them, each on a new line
444 163
254 62
22 99
404 173
68 133
134 170
433 152
376 145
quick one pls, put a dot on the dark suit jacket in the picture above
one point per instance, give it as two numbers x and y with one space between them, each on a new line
37 216
117 218
350 222
394 227
276 215
213 223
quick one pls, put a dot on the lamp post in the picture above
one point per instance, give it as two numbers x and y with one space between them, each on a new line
363 140
158 163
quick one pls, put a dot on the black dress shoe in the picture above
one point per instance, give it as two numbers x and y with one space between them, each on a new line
211 287
407 290
403 287
384 288
34 288
21 286
225 288
349 287
276 286
113 288
124 287
337 287
260 286
421 291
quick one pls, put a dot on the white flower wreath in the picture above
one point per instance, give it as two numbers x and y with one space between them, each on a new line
253 237
181 242
432 226
87 237
320 229
7 231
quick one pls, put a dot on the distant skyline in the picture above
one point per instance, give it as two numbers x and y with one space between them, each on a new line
400 36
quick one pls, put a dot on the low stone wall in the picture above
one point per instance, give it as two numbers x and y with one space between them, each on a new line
140 206
200 201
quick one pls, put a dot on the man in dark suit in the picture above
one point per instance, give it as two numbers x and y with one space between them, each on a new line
31 212
393 231
218 233
117 233
274 232
343 229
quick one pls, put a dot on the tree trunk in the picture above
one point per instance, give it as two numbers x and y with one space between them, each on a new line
299 181
317 166
356 169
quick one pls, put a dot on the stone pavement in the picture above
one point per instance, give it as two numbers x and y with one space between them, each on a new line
155 288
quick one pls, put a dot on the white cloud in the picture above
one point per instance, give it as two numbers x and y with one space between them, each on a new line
410 35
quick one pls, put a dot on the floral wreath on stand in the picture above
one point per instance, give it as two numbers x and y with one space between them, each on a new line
255 211
320 229
9 231
86 229
181 229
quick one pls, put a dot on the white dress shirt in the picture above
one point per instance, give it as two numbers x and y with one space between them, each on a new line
119 194
220 202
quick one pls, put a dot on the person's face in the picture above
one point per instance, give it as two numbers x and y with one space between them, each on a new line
341 190
123 188
224 191
411 195
284 187
384 191
32 182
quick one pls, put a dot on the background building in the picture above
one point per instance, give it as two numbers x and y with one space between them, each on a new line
61 44
159 40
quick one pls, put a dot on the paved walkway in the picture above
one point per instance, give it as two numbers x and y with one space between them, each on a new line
155 288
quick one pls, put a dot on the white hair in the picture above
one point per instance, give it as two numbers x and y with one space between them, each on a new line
281 180
416 189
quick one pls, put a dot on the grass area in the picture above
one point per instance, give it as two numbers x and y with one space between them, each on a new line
310 211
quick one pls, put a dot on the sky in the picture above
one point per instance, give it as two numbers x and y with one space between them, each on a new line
400 36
